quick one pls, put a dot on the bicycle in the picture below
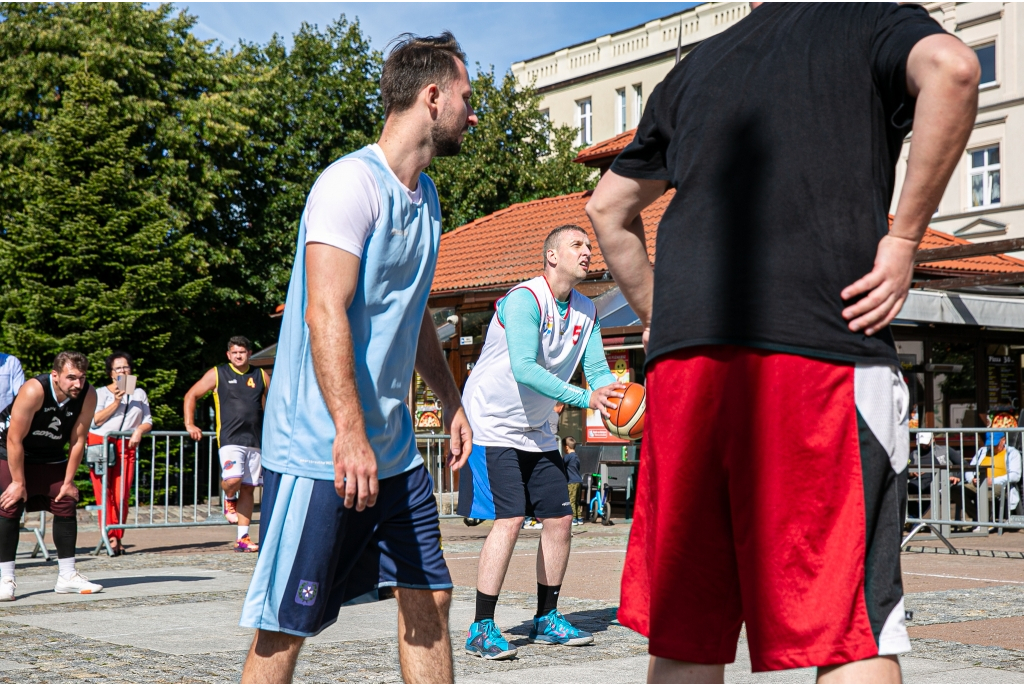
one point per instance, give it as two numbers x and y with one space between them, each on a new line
600 505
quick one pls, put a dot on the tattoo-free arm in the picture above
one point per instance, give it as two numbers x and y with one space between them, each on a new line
943 74
26 404
614 210
432 366
332 276
204 385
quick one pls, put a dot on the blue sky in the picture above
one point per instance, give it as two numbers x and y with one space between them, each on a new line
497 33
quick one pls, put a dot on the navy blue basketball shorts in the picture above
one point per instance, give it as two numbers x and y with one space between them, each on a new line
504 482
317 556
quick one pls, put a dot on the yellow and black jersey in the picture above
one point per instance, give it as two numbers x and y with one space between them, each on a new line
238 398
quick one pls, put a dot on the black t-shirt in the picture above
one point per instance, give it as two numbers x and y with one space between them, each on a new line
50 432
239 404
780 136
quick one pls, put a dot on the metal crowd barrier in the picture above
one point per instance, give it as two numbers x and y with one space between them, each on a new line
434 450
948 489
167 488
175 479
40 533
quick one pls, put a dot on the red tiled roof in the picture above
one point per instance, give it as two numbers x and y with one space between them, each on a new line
605 149
504 248
983 264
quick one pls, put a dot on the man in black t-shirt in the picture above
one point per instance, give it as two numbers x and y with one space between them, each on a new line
51 413
777 276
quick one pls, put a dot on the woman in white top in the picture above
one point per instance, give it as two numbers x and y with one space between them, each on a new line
117 412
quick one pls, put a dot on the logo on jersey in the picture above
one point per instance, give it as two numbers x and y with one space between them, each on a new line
576 334
251 382
306 595
549 324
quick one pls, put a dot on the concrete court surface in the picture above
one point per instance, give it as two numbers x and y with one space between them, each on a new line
169 612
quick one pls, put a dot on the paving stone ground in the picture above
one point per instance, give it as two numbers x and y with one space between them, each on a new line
169 613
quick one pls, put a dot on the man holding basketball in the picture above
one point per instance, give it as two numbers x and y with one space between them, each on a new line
777 276
541 330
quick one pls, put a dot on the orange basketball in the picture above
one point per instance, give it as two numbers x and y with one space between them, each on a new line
626 421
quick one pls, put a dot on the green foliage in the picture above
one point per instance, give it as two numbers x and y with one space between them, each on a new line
151 184
513 155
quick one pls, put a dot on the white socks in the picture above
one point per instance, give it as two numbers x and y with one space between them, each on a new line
6 569
66 567
242 532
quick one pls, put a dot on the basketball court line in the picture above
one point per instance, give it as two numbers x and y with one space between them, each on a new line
942 575
533 554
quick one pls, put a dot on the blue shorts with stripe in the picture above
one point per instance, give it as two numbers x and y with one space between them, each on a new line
317 556
504 482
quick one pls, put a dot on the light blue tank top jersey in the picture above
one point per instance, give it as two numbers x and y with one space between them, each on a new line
395 275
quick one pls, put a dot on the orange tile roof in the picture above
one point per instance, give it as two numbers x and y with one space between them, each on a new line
605 149
504 248
982 264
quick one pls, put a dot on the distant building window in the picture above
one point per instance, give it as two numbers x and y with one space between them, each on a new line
987 57
585 117
638 103
620 110
985 177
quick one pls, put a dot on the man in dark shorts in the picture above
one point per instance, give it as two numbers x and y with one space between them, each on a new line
777 276
348 512
51 412
239 393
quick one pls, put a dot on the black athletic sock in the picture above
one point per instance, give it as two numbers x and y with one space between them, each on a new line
485 606
9 538
547 598
65 535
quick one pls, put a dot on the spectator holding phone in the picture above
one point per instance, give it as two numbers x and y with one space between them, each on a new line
120 406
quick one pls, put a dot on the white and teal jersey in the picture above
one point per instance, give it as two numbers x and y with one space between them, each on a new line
395 275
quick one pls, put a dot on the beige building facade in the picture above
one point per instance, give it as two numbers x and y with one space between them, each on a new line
985 197
600 87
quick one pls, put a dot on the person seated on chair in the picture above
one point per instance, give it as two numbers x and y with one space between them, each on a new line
925 459
1003 472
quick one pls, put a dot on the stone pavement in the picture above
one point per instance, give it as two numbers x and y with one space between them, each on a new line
169 613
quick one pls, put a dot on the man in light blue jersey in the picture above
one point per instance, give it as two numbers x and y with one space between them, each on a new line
348 512
541 332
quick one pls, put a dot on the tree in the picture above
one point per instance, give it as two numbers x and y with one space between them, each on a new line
112 121
513 155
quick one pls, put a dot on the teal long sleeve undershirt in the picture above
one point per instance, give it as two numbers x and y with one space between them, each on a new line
519 313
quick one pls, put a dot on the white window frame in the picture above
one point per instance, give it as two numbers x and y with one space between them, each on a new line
638 103
995 65
985 171
585 121
620 110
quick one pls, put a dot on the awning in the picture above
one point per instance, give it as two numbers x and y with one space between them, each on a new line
922 306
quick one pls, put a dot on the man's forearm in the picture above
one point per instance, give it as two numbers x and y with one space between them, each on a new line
433 367
74 461
190 410
16 459
330 338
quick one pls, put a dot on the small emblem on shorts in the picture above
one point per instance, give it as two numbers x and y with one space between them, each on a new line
229 464
306 595
566 504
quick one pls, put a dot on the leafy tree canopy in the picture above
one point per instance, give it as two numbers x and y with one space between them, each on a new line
151 184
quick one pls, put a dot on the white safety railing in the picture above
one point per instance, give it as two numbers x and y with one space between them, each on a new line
964 481
434 450
175 480
39 531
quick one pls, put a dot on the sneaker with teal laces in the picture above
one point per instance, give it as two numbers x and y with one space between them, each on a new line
485 641
554 629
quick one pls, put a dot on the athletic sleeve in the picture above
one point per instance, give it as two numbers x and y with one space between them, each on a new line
343 206
646 157
518 311
897 29
595 366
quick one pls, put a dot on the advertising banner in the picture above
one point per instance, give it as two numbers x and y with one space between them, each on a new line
618 361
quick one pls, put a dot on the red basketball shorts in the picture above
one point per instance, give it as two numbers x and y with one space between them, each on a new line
769 494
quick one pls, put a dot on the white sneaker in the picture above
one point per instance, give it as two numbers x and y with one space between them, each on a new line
533 524
75 585
7 588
